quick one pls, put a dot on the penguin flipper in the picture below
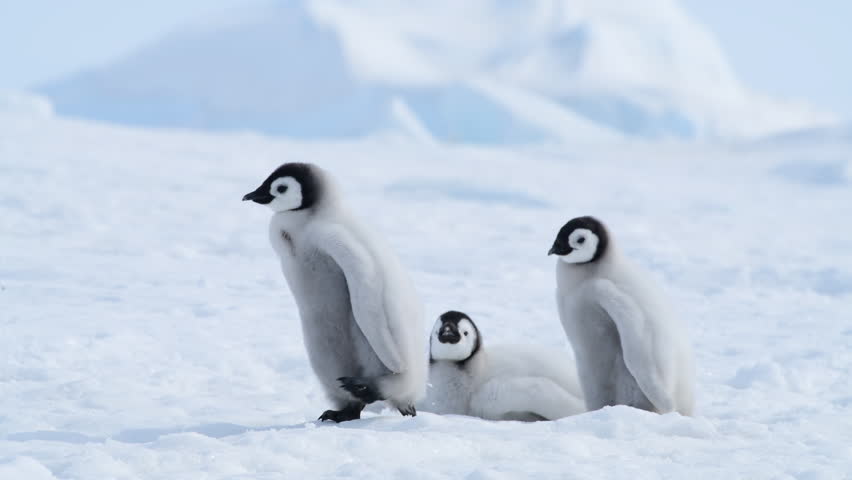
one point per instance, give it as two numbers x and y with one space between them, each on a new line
367 294
644 362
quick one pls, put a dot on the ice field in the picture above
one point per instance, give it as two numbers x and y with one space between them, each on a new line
148 331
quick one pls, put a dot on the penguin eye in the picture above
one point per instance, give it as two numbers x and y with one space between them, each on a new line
282 188
465 334
580 240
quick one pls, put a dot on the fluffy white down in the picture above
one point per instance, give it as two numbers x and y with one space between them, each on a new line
290 199
507 382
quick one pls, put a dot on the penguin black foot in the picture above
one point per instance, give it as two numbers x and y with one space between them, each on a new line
362 388
408 411
350 412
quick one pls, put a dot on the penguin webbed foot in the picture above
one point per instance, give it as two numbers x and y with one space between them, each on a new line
350 412
408 411
362 388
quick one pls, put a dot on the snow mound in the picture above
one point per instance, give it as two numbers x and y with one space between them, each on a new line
24 468
759 374
487 71
814 135
24 104
642 68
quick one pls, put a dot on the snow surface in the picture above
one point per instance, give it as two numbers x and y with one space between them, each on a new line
148 331
479 71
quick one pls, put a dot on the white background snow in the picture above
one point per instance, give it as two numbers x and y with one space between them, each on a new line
148 331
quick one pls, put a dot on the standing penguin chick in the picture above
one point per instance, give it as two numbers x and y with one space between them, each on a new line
360 316
630 350
498 383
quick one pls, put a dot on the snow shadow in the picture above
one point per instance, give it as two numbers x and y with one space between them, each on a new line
812 172
827 281
144 435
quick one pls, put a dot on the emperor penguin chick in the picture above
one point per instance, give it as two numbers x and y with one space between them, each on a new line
504 382
360 316
630 349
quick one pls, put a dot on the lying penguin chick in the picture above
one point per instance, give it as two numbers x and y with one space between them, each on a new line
630 349
498 383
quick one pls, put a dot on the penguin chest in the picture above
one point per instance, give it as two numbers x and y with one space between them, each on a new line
328 326
319 285
600 360
449 389
283 243
594 338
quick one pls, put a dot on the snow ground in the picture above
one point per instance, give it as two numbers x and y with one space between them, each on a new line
148 333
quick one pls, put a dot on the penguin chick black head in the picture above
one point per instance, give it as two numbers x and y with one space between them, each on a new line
581 240
454 338
292 186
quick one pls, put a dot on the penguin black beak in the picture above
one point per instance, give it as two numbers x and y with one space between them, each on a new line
258 196
448 334
549 252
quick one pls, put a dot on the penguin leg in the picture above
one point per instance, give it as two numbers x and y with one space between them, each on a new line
351 411
367 390
362 388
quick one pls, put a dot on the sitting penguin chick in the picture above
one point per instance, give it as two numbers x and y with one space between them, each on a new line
630 349
526 383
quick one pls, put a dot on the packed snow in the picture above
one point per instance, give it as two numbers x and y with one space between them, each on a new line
148 331
482 71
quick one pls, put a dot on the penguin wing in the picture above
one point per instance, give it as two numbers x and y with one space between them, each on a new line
637 342
366 283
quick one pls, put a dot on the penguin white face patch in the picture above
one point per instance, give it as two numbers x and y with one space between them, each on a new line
452 341
583 245
286 193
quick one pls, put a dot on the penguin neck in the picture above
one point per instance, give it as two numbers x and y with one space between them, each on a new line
327 206
468 365
290 221
329 198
